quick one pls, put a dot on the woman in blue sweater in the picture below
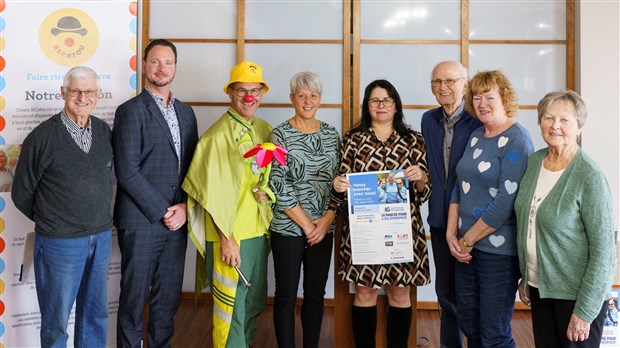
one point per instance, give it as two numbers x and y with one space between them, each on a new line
566 231
484 245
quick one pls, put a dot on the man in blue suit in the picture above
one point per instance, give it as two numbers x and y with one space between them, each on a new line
154 138
446 131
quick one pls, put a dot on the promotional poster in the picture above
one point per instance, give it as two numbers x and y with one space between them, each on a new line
380 218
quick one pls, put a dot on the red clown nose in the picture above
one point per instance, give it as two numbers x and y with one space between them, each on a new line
248 98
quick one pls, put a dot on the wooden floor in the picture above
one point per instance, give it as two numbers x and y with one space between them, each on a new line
193 327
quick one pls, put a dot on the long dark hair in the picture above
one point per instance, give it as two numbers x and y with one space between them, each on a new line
399 117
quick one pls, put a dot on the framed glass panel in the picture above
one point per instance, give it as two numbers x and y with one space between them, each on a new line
517 20
281 61
411 20
529 120
533 70
207 115
203 70
293 20
275 116
193 19
407 67
413 117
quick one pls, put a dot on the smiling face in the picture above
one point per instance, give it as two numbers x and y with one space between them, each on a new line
382 184
245 104
381 114
306 102
449 97
80 106
489 108
559 126
159 67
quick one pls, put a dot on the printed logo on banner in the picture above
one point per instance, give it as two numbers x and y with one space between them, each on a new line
68 37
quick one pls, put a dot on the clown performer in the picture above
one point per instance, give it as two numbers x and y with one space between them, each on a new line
228 211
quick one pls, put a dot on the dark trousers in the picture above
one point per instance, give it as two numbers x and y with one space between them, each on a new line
150 260
550 319
450 336
289 253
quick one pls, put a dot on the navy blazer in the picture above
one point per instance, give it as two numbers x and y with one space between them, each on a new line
443 183
146 162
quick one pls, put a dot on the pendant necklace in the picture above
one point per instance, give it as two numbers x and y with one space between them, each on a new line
536 201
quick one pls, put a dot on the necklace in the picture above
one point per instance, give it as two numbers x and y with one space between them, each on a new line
536 201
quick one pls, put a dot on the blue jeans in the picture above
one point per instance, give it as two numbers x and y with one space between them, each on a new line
485 296
67 271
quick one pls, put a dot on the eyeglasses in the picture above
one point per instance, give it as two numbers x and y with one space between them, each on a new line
242 92
448 82
387 102
90 93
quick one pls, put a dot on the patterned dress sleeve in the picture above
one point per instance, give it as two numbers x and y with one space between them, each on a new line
419 150
347 158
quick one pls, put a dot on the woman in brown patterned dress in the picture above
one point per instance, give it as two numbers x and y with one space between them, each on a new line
382 141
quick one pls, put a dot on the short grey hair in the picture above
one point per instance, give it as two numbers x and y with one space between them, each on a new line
581 111
78 72
306 79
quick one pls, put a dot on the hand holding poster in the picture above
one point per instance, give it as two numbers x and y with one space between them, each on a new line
380 218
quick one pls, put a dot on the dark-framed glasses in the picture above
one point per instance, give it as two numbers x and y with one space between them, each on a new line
242 92
90 93
448 82
387 102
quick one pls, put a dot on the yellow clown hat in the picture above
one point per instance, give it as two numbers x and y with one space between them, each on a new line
247 72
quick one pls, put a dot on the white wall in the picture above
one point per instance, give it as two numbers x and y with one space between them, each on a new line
598 79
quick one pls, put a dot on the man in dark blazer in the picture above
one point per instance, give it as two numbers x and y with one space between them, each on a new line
154 138
446 131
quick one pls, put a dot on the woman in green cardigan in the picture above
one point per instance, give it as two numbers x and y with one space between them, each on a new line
565 237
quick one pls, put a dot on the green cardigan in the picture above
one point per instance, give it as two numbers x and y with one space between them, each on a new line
574 234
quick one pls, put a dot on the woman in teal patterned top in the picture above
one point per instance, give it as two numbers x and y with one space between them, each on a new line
303 223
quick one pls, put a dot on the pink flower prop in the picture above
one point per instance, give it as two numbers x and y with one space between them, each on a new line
265 152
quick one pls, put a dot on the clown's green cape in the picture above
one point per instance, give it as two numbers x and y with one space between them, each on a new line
212 184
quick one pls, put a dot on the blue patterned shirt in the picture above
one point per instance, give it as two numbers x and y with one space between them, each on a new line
83 136
173 122
488 177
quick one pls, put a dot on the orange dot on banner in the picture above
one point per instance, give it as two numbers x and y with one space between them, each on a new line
2 225
2 5
1 287
2 63
2 245
1 307
2 103
132 62
133 7
2 123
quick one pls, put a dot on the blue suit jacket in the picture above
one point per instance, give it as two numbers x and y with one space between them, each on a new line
146 162
443 183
